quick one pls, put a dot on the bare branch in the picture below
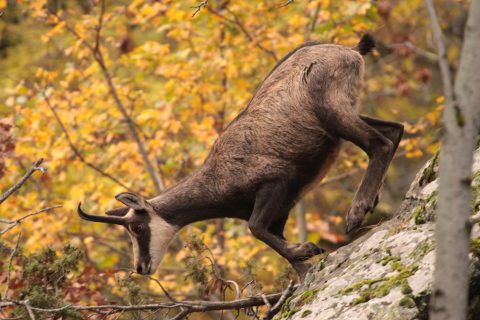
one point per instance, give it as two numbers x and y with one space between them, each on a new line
276 308
76 151
9 268
339 177
29 310
181 315
265 300
17 221
99 26
235 286
430 56
197 8
35 167
286 3
236 21
315 17
165 292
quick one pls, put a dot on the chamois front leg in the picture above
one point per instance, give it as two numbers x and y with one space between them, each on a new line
380 150
271 210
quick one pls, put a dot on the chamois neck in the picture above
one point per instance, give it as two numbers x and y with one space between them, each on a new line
188 201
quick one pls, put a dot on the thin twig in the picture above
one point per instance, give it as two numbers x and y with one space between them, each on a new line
235 286
236 21
286 3
15 222
9 268
99 26
165 292
35 167
430 56
197 8
338 177
276 308
181 315
29 310
315 17
267 303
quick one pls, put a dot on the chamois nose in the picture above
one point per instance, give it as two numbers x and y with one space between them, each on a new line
144 267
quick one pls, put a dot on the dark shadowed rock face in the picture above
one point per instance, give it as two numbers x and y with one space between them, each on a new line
387 273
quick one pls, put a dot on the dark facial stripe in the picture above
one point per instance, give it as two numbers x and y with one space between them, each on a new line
143 239
144 246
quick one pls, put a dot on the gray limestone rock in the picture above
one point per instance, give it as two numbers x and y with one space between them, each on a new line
387 273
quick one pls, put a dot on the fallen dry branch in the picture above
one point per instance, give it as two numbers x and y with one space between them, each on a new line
186 307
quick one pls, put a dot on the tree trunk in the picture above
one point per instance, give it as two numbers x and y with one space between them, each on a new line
449 299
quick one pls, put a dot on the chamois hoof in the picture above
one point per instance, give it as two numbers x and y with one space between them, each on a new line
306 250
353 224
356 213
311 249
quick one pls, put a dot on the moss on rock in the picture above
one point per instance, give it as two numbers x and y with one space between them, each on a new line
407 302
295 303
379 287
430 172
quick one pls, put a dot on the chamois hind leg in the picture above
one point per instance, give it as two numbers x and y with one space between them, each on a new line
270 210
346 124
391 130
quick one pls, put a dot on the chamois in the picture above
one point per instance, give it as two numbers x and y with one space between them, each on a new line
279 146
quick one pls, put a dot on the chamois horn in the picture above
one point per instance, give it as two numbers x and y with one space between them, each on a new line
104 219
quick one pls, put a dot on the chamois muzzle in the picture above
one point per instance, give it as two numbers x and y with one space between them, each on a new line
104 219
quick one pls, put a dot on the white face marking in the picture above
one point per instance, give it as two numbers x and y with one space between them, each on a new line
136 251
161 233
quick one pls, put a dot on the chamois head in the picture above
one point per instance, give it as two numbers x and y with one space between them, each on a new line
149 232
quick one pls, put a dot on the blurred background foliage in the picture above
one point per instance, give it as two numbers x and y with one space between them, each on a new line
175 76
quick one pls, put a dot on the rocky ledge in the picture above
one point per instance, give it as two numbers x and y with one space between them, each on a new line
387 273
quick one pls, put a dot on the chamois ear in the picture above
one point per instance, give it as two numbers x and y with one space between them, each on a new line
117 212
132 200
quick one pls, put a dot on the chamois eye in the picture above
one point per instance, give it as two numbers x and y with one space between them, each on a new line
138 228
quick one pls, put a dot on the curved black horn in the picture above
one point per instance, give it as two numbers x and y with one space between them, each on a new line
104 219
